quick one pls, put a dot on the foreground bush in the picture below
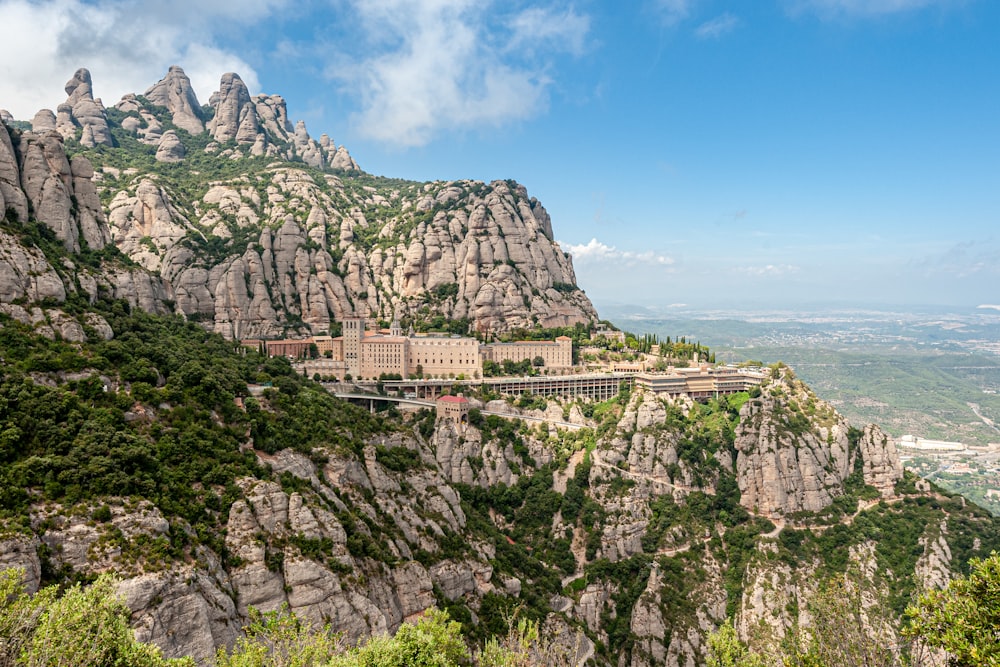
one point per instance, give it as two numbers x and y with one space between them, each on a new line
85 626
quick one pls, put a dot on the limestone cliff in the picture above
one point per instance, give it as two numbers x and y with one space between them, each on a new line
792 450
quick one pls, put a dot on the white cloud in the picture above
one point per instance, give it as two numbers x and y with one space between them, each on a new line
717 27
126 47
989 306
768 270
865 8
594 251
456 64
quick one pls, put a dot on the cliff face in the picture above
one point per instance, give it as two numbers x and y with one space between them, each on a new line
265 231
794 454
39 185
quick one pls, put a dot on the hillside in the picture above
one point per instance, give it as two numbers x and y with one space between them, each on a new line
147 455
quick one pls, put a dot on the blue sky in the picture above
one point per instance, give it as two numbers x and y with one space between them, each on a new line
776 152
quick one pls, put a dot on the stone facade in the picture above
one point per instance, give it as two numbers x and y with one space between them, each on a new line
703 381
367 355
383 354
445 356
555 354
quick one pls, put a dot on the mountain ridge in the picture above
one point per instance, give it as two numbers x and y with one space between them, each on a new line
258 230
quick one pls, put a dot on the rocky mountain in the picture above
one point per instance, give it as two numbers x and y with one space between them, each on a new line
232 216
135 438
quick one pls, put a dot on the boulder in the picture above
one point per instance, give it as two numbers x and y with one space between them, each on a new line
170 149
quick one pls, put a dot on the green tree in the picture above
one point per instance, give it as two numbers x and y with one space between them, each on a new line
433 641
726 650
85 626
964 618
279 639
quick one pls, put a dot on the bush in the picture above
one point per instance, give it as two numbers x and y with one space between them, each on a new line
86 626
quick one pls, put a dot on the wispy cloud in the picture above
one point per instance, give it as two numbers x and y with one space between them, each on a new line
545 28
455 64
45 41
865 8
768 270
967 259
672 12
717 27
595 251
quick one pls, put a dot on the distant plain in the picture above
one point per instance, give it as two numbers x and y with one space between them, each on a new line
929 372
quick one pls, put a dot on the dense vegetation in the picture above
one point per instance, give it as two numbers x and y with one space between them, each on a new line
160 412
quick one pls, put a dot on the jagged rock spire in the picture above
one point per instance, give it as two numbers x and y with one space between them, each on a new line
81 109
174 91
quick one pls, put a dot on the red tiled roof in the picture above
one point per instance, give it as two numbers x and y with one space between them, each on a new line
453 399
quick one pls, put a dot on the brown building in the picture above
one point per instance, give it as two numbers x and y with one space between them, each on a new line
554 354
294 349
454 408
445 356
382 355
324 344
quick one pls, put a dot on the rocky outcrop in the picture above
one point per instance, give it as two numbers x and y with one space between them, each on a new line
21 553
186 611
786 462
93 226
82 111
174 92
12 197
235 117
341 159
145 225
61 194
25 274
933 569
882 467
170 148
47 181
44 121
